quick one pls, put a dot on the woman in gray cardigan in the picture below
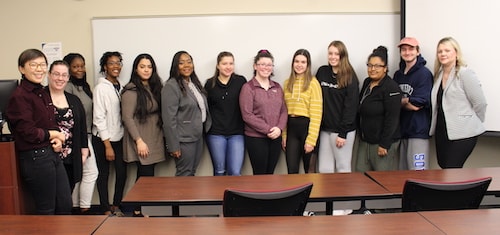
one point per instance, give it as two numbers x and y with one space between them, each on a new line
185 114
458 106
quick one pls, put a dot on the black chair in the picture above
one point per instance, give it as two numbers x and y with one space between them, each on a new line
284 202
420 195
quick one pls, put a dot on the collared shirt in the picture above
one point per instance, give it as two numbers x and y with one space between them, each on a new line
30 113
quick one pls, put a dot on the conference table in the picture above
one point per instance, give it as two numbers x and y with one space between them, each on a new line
482 221
209 190
394 181
50 224
386 224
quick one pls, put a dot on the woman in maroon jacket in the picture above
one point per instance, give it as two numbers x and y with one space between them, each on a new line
31 116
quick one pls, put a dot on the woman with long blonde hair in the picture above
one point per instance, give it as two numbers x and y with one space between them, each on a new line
458 106
339 85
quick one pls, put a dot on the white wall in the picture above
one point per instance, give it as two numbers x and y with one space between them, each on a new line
474 24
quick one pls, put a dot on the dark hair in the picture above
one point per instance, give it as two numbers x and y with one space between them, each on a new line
143 96
307 74
69 58
29 54
106 56
219 58
58 62
262 54
380 52
175 74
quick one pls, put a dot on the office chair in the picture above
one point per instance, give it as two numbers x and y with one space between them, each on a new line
283 202
420 195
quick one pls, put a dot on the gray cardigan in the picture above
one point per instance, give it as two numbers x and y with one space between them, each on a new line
181 116
463 103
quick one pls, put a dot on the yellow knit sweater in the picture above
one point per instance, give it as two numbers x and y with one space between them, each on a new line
308 103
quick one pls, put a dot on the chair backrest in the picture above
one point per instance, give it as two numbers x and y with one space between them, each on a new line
420 195
284 202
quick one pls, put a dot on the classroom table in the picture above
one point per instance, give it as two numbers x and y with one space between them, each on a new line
394 181
209 190
386 224
50 224
457 222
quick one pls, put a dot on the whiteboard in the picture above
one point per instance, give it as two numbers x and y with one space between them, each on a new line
206 35
474 24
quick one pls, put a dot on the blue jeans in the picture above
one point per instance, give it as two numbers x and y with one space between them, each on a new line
228 153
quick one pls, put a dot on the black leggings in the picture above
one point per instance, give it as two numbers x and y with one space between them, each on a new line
144 170
103 166
297 131
451 153
263 153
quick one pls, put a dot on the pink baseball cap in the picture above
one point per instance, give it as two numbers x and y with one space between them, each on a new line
408 41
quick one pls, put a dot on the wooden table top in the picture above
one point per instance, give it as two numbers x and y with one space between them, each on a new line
483 221
210 189
386 224
50 224
394 180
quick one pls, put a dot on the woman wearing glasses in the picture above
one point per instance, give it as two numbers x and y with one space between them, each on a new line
70 117
107 132
265 115
380 105
31 115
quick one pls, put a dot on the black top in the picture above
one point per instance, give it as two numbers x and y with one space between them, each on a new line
340 105
224 106
79 138
379 111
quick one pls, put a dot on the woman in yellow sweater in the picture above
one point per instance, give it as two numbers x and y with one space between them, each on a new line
304 102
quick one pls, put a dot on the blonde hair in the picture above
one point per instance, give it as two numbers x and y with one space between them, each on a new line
459 62
345 72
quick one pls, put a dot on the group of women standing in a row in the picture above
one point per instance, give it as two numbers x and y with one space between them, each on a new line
66 141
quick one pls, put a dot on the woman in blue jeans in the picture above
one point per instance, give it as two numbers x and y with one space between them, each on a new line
225 138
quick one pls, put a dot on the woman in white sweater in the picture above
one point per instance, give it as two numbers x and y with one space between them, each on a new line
458 106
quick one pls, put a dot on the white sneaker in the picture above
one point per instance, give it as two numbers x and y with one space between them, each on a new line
308 213
341 212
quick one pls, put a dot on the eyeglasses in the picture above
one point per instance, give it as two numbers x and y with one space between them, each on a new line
374 66
35 65
58 75
114 63
266 65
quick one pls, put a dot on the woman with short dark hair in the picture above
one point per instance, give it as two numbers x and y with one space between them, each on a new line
38 141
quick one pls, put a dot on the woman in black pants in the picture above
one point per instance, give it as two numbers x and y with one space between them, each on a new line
31 115
108 132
